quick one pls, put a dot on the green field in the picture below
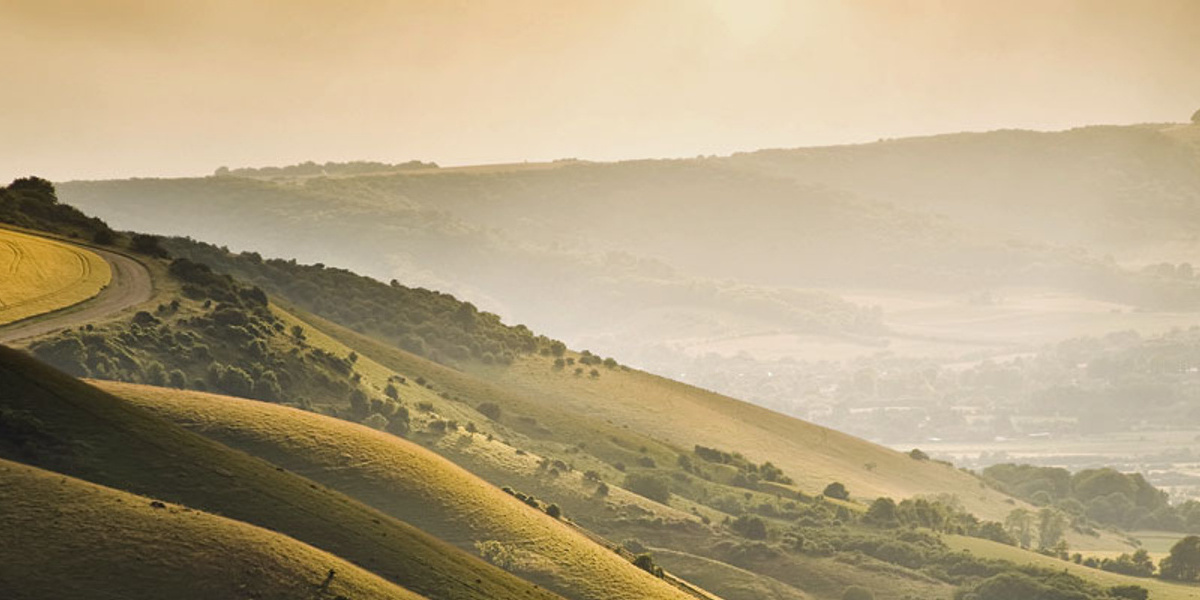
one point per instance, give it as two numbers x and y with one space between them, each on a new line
41 275
66 538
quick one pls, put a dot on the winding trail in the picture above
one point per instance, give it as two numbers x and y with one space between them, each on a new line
131 285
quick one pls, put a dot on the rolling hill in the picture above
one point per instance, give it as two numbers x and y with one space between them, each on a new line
714 484
59 423
66 538
412 484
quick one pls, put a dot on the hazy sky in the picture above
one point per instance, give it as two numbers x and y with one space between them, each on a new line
114 88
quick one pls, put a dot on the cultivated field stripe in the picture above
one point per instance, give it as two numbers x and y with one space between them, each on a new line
43 275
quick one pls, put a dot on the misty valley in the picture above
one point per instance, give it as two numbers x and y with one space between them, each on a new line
530 300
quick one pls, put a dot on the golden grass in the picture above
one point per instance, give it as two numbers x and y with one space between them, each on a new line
66 538
738 584
413 484
39 275
118 444
1159 589
499 461
812 455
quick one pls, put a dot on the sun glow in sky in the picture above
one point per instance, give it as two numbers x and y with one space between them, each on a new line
111 88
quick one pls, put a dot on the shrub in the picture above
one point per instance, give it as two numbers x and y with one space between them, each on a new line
654 487
750 527
917 454
148 245
376 421
236 382
490 410
882 513
855 592
360 405
554 511
104 237
399 424
1129 592
645 562
836 490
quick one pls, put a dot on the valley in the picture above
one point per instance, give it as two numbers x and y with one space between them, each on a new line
506 457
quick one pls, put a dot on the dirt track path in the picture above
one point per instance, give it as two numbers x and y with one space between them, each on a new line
130 285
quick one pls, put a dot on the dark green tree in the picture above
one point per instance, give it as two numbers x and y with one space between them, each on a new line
654 487
1183 564
836 490
882 513
749 526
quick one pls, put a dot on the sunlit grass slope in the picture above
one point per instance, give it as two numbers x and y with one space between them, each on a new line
410 483
737 584
39 275
1159 589
633 404
684 415
66 538
60 423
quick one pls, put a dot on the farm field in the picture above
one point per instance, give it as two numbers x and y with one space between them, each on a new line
952 326
39 275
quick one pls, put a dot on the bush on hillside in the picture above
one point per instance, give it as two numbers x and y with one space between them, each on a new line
649 485
855 592
836 490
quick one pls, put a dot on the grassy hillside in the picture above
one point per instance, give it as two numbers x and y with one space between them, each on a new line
66 538
412 484
1159 589
738 584
589 441
55 422
42 275
1109 188
815 456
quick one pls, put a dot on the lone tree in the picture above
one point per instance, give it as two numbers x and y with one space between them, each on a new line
1183 564
1196 117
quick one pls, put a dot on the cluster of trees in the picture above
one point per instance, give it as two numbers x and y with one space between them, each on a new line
221 336
425 322
1181 564
747 475
31 202
925 553
312 169
1104 496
